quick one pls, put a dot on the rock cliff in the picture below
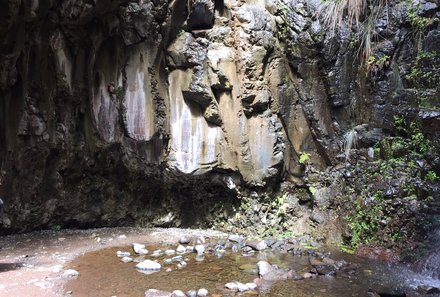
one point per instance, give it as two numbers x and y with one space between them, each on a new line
117 112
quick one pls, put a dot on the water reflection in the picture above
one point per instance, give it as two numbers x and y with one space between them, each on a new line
103 274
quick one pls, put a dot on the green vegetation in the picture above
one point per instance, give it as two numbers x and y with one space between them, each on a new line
399 184
304 158
364 223
431 177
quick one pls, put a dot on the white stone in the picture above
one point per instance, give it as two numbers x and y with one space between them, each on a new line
242 287
148 265
140 249
122 236
167 261
231 286
178 293
200 249
182 264
190 248
251 286
127 259
156 293
202 292
200 258
170 252
71 273
261 246
180 249
177 258
122 254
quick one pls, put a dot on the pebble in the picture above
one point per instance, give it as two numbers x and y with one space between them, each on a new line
202 292
200 258
242 287
140 249
122 236
122 254
127 259
231 286
170 252
182 264
200 249
190 248
156 293
148 265
307 275
191 293
181 249
177 258
157 253
71 273
178 293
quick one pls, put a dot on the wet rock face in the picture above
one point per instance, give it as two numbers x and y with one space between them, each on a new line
116 112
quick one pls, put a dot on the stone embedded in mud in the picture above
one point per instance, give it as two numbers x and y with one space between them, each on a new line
156 293
122 254
148 265
127 259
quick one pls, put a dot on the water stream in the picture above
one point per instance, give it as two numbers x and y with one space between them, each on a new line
104 274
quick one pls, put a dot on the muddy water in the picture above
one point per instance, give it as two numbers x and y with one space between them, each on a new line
103 274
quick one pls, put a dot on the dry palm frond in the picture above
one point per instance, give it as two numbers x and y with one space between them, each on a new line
361 14
333 13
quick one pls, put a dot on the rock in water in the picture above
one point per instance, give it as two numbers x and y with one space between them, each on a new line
127 260
140 249
202 292
156 293
200 249
232 286
258 245
178 293
122 254
148 265
181 249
